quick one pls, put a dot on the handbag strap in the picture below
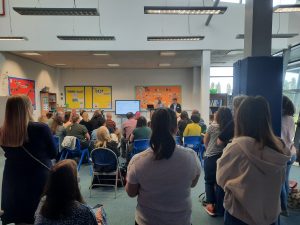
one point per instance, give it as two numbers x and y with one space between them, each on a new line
36 159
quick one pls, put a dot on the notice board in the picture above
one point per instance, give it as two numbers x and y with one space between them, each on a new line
88 97
151 95
20 86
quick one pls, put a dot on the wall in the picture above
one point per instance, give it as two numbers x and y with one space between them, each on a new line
294 27
15 66
123 82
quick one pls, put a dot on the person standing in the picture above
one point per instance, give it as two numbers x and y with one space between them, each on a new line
157 177
29 148
251 170
110 124
175 106
287 135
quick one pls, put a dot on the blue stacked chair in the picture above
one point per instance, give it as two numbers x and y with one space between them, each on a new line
195 143
140 145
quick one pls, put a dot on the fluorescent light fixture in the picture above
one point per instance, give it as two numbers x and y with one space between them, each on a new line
31 53
287 35
60 64
56 11
101 54
12 38
86 38
175 38
184 10
113 65
164 64
287 8
167 53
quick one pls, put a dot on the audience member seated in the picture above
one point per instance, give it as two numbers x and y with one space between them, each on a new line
252 167
67 120
214 194
201 122
127 128
193 129
49 116
110 124
287 135
79 131
85 122
81 112
29 148
141 131
43 119
62 202
104 140
97 120
163 188
182 123
57 127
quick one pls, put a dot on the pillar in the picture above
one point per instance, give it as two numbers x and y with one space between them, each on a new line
196 88
205 84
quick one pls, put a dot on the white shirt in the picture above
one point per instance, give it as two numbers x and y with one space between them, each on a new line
288 133
165 186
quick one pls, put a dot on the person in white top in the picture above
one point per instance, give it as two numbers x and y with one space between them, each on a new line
287 135
162 176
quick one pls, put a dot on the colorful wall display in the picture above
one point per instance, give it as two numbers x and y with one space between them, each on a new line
88 97
20 86
151 95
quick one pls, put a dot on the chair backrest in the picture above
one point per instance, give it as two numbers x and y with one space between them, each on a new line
140 145
193 142
104 157
177 139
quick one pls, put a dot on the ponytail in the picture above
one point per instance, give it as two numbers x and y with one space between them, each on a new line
164 125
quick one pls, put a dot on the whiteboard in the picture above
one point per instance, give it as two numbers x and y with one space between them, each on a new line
3 100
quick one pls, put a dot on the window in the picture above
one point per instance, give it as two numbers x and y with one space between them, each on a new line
221 80
291 88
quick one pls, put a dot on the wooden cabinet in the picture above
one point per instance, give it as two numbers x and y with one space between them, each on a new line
48 102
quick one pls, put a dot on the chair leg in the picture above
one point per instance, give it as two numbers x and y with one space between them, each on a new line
116 184
81 159
62 155
121 177
67 153
91 185
90 164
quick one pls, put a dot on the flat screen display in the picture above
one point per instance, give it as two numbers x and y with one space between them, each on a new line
125 106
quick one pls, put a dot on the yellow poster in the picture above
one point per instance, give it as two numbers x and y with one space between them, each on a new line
102 97
88 97
74 97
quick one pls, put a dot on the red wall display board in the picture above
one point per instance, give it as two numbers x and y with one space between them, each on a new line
19 86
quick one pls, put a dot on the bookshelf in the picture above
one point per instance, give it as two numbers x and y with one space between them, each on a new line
216 101
48 102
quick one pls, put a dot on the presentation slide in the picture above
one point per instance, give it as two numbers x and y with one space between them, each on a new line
125 106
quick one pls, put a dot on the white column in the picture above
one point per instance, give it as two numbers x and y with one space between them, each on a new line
204 88
196 88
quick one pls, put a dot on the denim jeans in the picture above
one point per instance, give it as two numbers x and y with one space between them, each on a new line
285 190
214 193
231 220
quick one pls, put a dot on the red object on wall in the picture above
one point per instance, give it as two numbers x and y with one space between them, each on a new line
19 86
2 12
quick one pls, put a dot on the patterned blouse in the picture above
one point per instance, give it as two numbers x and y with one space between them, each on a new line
81 215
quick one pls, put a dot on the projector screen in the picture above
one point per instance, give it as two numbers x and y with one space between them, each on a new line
125 106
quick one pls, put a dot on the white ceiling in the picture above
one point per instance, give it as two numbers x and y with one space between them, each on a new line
126 59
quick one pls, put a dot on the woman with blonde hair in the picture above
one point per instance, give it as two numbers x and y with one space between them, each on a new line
85 122
28 148
62 202
104 140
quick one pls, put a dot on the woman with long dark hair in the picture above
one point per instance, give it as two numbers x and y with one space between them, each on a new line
162 176
251 170
142 131
29 148
62 203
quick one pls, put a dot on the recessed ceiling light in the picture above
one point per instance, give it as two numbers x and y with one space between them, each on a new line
167 53
164 64
287 8
175 38
86 38
31 53
60 64
101 54
113 65
12 38
56 11
287 35
183 10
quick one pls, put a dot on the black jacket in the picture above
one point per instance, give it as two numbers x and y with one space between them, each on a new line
178 107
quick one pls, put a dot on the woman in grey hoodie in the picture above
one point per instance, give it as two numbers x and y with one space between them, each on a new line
252 168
